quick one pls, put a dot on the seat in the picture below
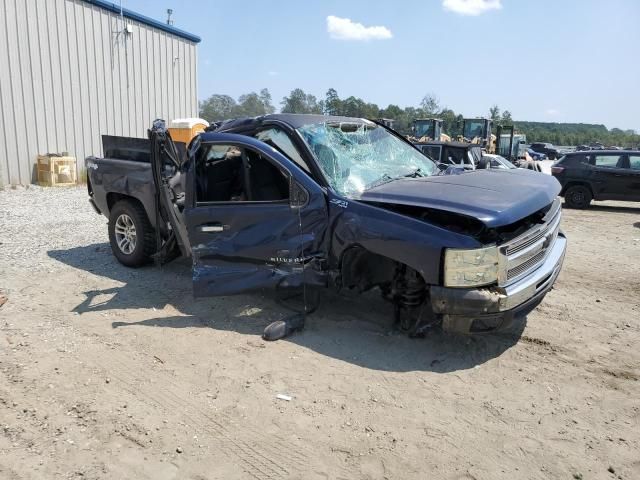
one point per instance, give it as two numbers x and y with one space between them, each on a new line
267 182
623 162
224 180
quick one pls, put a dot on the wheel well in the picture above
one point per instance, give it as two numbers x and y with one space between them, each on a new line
576 184
113 198
363 269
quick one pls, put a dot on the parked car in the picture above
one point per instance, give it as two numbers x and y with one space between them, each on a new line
536 155
547 148
598 175
490 160
318 201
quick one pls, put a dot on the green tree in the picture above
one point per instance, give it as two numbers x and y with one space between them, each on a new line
506 118
392 111
221 107
449 122
300 102
332 103
430 105
265 98
217 107
494 113
250 105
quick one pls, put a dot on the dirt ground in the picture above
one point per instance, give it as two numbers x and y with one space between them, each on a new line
112 373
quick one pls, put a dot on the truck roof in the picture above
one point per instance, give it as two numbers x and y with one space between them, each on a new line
295 120
450 144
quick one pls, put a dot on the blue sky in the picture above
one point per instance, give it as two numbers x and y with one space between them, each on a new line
544 60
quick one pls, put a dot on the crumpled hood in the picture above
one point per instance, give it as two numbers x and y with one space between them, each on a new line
495 197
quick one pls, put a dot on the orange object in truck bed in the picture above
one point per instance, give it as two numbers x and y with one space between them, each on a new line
184 129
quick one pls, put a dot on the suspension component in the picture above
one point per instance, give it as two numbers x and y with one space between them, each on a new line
409 296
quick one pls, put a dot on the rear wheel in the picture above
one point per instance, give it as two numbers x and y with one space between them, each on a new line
131 234
578 196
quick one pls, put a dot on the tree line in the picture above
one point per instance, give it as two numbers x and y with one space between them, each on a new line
220 107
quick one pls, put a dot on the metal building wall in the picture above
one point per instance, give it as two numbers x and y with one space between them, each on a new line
69 74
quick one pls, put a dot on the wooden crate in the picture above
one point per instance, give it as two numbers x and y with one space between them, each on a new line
56 171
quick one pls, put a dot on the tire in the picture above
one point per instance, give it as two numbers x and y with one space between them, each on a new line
578 196
131 235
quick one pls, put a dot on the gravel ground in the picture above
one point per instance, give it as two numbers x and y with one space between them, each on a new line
52 219
108 372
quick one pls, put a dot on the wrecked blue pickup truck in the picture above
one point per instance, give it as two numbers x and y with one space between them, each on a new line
318 201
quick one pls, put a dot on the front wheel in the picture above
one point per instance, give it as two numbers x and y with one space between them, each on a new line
578 196
131 234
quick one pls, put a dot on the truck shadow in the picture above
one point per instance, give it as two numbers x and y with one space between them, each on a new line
353 328
614 208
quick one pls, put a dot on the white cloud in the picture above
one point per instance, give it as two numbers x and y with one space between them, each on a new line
471 7
552 112
346 29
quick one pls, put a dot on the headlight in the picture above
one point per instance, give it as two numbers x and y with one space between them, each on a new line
470 268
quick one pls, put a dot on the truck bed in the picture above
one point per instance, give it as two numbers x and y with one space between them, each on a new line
125 172
112 179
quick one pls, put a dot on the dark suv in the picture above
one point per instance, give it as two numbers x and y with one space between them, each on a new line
598 175
547 148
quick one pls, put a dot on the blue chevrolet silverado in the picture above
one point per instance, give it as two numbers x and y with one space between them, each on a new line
311 201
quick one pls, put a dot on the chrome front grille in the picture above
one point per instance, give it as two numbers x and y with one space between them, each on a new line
524 254
527 265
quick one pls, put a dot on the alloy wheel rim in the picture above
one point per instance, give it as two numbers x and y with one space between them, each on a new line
125 231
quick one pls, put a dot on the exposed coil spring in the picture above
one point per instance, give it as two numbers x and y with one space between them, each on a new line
414 292
410 293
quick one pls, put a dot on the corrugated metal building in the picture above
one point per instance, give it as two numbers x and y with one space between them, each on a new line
73 70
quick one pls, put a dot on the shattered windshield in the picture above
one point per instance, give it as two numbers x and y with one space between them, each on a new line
359 156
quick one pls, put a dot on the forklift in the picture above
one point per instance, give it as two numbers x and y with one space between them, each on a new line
427 129
478 130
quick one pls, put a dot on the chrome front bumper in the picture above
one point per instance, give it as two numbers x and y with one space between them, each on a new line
540 279
493 307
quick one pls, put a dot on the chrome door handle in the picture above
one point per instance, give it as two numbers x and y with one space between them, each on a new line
211 228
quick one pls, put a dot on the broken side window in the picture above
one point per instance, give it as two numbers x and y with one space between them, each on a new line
228 173
279 139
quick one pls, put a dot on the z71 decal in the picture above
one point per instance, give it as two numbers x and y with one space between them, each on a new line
339 203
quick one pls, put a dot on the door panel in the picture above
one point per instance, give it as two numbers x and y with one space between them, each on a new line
633 178
239 246
167 173
607 177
